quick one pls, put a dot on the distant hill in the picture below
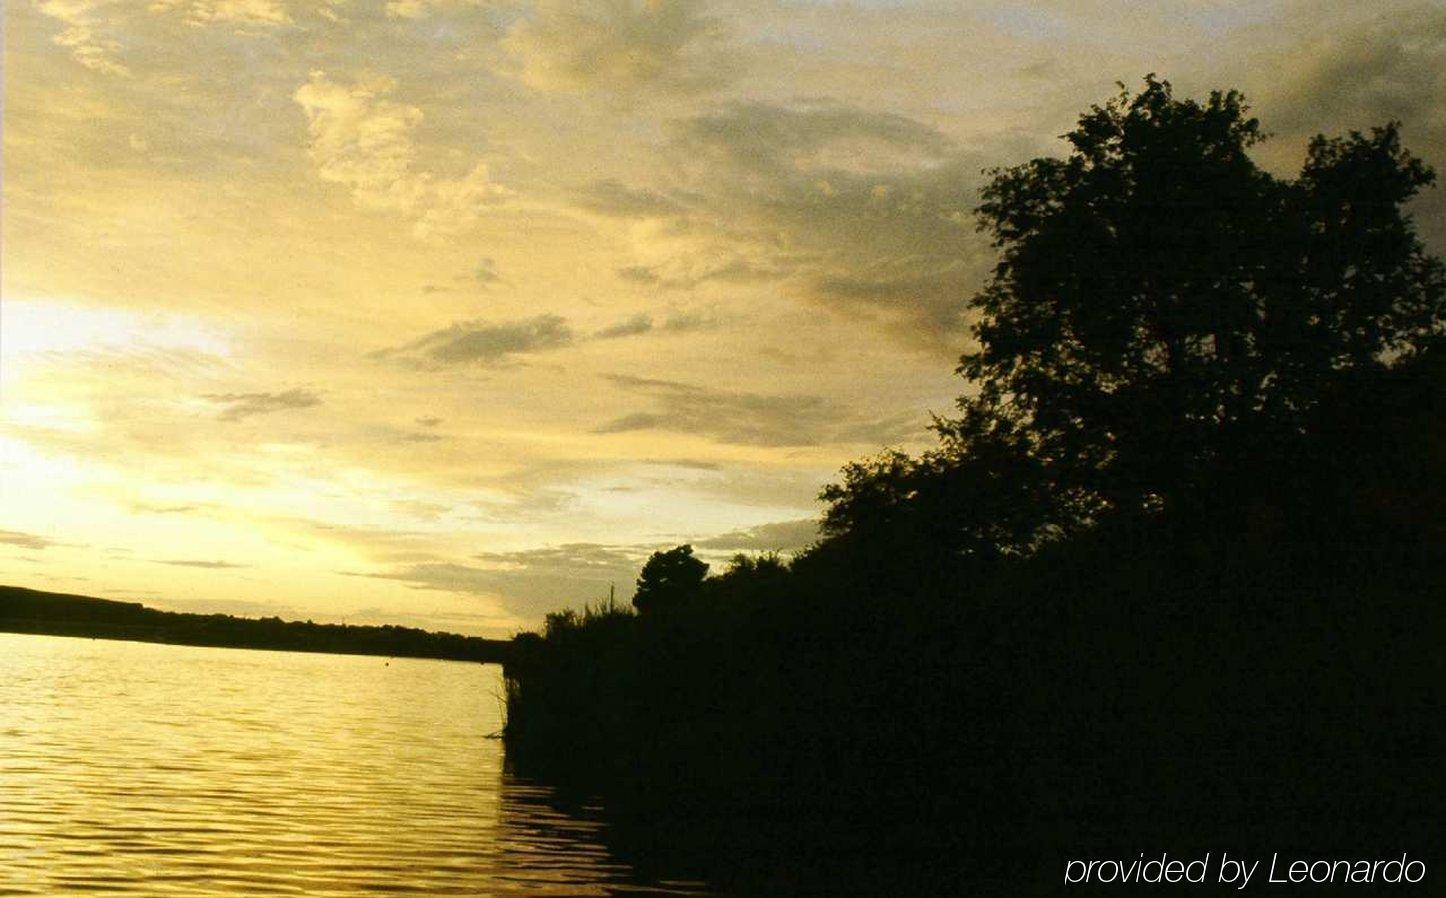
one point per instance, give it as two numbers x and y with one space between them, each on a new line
62 614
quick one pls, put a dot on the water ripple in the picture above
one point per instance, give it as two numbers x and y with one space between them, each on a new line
135 769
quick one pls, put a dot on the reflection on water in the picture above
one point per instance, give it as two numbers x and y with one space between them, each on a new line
171 770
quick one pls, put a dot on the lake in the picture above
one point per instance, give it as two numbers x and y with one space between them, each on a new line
134 768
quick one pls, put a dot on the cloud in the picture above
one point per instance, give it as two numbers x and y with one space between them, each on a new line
813 139
868 213
613 198
533 580
489 344
209 565
590 558
248 13
685 273
742 418
933 301
362 140
239 406
619 46
486 272
640 323
731 417
684 322
738 270
82 35
1392 67
409 9
638 274
875 208
25 540
783 536
153 508
420 9
383 545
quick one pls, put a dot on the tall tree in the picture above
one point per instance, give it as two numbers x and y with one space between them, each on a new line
1162 303
1163 309
669 578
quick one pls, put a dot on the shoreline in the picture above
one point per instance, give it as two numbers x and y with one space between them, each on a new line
35 612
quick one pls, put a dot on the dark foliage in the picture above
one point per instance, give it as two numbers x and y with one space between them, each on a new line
1162 304
668 578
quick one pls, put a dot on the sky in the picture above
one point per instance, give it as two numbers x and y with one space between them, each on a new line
447 313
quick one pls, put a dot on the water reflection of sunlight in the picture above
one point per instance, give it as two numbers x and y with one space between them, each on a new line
172 770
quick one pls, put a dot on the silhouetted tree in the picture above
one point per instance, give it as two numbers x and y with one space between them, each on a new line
1161 302
668 578
980 495
751 567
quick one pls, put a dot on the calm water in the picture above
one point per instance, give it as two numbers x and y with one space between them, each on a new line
170 770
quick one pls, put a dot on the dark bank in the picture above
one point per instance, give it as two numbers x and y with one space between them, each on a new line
60 614
1172 579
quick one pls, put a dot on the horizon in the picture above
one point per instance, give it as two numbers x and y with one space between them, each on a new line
447 314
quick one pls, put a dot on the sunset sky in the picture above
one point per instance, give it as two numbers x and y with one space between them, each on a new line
447 313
